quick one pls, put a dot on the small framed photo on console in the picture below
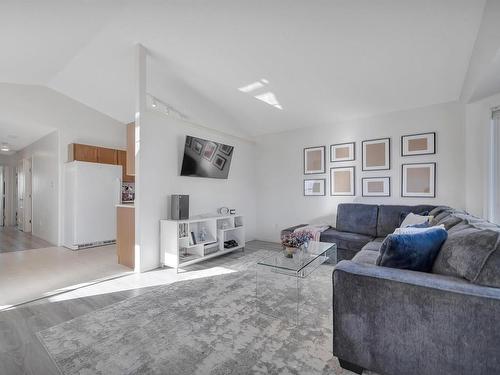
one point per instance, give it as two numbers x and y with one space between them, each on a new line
376 186
314 187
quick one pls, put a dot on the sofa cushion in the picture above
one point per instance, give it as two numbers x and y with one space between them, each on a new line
389 216
345 240
372 246
366 257
412 251
357 218
437 210
441 216
490 273
450 221
465 252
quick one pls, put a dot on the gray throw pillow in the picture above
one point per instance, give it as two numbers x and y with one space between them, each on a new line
465 252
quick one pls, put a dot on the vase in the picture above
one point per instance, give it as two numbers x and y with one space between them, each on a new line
289 251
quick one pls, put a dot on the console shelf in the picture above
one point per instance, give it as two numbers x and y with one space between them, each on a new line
185 242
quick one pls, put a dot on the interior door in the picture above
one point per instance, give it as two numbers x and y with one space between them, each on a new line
20 195
27 164
2 196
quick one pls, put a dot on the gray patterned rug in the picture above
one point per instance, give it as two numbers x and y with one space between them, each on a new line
204 326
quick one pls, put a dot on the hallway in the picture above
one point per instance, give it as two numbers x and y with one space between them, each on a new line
12 239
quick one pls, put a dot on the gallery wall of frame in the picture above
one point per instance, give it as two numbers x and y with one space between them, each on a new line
417 176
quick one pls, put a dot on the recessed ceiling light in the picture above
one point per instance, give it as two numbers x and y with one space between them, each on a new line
251 87
4 147
269 98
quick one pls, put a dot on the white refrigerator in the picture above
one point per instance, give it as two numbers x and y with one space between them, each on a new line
92 192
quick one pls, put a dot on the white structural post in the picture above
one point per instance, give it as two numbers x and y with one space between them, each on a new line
140 107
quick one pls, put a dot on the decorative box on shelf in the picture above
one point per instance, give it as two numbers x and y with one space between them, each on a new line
185 242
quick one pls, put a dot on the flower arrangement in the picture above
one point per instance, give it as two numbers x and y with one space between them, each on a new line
296 239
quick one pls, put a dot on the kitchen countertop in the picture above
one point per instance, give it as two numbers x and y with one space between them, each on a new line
126 205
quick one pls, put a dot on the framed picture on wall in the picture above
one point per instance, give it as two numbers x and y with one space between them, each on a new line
376 154
342 152
196 146
225 149
418 180
219 161
418 144
314 160
314 187
342 181
209 150
376 186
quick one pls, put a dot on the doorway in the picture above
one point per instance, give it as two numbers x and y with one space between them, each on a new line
24 203
2 196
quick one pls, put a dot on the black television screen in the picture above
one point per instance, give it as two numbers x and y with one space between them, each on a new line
203 158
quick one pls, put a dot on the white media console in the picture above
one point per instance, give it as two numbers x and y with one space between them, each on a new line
185 242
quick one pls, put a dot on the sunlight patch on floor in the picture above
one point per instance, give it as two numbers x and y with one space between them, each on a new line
138 281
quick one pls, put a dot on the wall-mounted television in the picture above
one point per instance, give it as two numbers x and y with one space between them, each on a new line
204 158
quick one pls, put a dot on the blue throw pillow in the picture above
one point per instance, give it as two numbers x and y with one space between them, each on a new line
416 251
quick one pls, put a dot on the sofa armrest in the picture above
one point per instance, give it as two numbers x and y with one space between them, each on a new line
397 321
291 229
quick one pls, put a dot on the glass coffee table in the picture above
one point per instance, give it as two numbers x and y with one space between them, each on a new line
279 280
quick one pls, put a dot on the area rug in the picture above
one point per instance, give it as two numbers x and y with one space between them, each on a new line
205 326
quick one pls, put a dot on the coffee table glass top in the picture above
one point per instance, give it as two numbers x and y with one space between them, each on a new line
302 258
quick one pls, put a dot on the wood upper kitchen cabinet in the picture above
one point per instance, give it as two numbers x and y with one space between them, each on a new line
107 155
131 149
122 160
81 152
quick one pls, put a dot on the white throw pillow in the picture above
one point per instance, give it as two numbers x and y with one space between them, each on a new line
412 219
416 230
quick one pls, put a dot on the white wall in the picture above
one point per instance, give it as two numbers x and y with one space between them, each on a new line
45 187
477 136
48 111
161 151
280 165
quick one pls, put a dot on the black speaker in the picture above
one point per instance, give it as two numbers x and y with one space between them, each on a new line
180 207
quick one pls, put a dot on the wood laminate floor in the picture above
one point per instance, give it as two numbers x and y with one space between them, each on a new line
22 353
12 239
37 273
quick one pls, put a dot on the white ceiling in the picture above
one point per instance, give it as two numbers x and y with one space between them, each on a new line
29 112
325 60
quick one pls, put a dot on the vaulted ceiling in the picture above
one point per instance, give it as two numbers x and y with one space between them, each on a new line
324 60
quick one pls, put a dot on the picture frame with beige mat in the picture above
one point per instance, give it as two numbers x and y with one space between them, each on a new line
343 152
342 181
315 187
376 154
315 160
418 180
376 186
418 144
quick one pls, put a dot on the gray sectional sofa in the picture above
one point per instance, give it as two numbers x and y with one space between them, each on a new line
395 321
360 224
